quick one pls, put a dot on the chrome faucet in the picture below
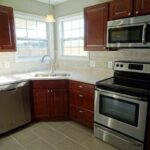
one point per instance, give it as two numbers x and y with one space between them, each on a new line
47 59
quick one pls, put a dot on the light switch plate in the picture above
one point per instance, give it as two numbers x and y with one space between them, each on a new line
92 63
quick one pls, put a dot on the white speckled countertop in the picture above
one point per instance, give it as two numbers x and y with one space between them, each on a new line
7 79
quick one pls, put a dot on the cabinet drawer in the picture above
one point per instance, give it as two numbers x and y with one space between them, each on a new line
84 87
85 101
82 116
47 84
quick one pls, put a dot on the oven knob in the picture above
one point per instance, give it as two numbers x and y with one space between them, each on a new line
117 65
121 65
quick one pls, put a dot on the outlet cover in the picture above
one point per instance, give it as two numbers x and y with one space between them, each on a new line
92 63
110 64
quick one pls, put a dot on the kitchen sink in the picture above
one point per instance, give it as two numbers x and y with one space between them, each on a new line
52 75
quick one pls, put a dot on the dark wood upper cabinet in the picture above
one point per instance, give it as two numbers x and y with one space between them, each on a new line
95 18
142 7
7 29
120 9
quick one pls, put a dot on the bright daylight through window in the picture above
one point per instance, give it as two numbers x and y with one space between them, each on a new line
32 37
72 34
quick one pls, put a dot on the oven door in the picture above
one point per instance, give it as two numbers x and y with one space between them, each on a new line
123 113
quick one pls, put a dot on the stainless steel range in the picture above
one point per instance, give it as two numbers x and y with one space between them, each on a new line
121 104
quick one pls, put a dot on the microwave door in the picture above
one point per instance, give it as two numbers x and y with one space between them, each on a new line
126 36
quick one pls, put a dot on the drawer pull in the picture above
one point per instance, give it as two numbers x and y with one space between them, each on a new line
80 86
80 111
80 95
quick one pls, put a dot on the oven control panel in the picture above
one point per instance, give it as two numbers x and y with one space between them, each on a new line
141 67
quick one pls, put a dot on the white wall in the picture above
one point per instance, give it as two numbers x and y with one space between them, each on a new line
8 63
102 57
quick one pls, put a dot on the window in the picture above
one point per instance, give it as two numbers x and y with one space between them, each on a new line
32 37
71 34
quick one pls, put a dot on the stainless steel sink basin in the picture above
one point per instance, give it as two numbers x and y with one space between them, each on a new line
52 75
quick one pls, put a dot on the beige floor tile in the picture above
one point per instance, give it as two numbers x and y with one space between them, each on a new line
48 134
57 125
68 144
25 136
38 145
10 144
75 133
97 144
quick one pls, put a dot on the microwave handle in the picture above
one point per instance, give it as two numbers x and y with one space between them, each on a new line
144 34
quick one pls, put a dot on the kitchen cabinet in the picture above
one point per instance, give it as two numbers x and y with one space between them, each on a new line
82 103
50 99
7 29
142 7
126 8
95 24
120 9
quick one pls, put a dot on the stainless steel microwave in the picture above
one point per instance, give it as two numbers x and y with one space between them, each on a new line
131 32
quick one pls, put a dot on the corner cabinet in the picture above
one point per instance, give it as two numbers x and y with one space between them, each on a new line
142 7
95 25
7 29
50 100
120 9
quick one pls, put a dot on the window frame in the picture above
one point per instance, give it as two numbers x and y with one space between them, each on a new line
49 31
60 35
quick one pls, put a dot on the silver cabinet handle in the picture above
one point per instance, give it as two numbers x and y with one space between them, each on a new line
80 111
80 86
80 95
48 91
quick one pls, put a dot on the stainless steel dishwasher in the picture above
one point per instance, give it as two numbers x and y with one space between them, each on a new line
15 109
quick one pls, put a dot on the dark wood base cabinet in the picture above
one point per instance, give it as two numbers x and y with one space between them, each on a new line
50 100
82 103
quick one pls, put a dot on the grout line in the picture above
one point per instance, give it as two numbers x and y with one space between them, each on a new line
19 143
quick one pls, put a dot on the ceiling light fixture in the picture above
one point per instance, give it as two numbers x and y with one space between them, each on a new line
50 17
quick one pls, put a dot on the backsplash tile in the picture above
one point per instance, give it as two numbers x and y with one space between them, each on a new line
101 59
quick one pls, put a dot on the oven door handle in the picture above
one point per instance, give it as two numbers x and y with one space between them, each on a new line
118 95
144 34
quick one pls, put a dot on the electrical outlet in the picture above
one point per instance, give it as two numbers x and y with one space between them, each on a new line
92 63
110 64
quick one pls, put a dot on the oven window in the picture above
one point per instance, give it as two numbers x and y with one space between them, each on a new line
119 109
126 34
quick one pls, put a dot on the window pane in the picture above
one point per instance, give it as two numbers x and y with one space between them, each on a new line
31 24
67 25
67 34
67 44
76 24
75 33
32 48
41 34
32 34
75 43
21 33
20 23
41 26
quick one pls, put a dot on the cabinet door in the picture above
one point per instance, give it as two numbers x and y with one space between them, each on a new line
95 27
142 7
7 30
40 104
120 9
60 103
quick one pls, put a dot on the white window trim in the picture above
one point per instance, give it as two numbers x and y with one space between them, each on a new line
50 35
59 37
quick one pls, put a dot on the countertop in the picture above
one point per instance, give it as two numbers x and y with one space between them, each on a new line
7 79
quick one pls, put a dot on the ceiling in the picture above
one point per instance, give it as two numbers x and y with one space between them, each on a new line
53 2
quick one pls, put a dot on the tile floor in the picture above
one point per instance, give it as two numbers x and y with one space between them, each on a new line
53 136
